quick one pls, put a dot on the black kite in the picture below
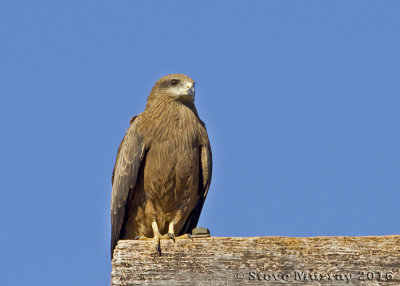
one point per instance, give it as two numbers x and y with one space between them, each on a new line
163 168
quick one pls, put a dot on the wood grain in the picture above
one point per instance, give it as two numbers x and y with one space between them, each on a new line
370 260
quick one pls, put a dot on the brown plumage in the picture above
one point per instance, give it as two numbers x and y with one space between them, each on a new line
163 167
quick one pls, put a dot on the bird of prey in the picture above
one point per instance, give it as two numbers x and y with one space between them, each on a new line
163 168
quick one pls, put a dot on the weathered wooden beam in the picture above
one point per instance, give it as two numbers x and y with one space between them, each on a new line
370 260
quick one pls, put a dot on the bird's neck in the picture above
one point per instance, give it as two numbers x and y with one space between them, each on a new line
166 117
164 106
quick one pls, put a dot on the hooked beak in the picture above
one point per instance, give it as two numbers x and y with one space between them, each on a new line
190 91
185 92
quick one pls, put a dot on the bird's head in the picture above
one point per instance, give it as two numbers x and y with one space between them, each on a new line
177 86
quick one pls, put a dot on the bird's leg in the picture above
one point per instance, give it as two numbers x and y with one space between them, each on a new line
156 237
171 232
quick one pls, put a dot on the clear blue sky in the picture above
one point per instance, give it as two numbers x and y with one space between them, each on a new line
301 101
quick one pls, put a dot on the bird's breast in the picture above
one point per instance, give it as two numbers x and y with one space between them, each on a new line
171 172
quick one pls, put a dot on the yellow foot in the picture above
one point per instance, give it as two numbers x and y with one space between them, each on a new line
169 235
185 236
156 238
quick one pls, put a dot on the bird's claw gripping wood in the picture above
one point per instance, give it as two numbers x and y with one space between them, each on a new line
171 233
185 236
158 237
171 236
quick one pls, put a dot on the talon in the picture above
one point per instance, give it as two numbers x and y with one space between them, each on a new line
158 249
137 237
172 236
185 236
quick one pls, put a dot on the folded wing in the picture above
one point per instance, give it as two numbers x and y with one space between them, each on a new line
129 158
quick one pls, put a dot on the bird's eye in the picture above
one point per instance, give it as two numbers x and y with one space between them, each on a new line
174 82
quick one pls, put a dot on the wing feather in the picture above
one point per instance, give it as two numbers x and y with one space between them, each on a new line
129 158
204 185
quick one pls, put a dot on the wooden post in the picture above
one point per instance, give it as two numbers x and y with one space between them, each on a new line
370 260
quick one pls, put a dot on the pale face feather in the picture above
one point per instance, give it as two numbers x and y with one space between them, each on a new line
184 87
177 86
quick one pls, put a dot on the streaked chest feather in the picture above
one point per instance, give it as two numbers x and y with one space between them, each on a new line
172 160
